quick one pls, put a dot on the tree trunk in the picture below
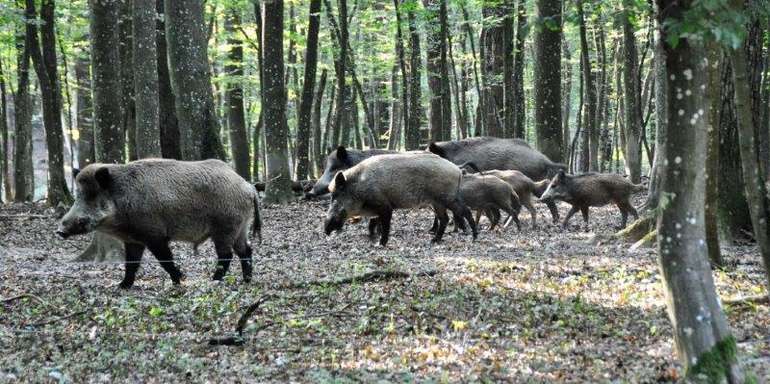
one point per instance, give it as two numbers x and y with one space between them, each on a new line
105 69
632 149
169 125
46 68
746 104
24 181
146 79
128 118
460 110
339 115
191 80
318 153
591 129
412 141
84 112
236 118
478 129
395 112
436 51
712 154
567 97
274 105
4 179
519 105
702 337
547 84
305 113
400 53
653 195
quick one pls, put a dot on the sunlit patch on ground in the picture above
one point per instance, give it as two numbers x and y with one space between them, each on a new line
541 305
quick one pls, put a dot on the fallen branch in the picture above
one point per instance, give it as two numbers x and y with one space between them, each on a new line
23 295
759 299
51 321
238 339
25 216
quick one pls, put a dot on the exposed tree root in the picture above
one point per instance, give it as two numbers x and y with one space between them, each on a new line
758 299
648 241
238 339
632 233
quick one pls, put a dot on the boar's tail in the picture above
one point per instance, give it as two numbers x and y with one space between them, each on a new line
256 227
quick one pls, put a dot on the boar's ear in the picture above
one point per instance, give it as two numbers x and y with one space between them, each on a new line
339 181
75 172
434 148
342 154
103 178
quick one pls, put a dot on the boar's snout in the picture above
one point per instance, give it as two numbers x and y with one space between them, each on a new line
73 226
334 222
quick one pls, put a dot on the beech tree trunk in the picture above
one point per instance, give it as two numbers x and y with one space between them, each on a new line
547 84
703 340
191 80
43 54
591 128
84 112
318 151
105 69
519 104
169 125
306 104
146 79
278 188
236 118
412 141
632 149
400 53
24 181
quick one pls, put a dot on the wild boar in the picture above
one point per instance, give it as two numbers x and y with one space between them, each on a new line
148 203
491 153
490 194
592 190
339 160
378 185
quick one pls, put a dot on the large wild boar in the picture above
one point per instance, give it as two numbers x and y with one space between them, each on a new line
339 160
592 190
490 194
380 184
148 203
490 153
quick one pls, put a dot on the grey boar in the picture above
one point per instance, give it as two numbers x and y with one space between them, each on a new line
378 185
524 187
592 190
148 203
490 194
491 153
339 160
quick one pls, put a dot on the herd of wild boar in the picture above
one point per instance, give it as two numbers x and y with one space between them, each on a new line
149 203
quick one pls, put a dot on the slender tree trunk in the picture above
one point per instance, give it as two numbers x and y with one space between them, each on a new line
326 145
105 62
128 118
415 109
478 129
169 125
46 68
400 53
146 79
236 117
632 150
547 85
340 121
703 340
712 154
519 104
84 112
278 188
396 120
591 126
316 124
567 97
24 181
4 179
311 61
436 51
191 80
460 111
747 115
661 116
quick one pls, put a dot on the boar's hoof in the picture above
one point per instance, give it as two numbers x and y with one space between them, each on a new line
63 235
126 284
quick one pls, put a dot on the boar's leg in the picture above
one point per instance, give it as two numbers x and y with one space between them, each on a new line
459 209
384 220
527 202
162 252
494 217
459 223
626 208
374 225
554 211
513 214
224 251
134 254
571 212
584 211
244 251
443 219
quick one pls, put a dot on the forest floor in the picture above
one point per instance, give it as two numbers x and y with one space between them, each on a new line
542 305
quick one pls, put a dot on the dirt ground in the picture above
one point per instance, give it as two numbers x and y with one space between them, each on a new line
542 305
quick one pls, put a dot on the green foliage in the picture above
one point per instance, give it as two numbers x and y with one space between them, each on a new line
719 20
712 366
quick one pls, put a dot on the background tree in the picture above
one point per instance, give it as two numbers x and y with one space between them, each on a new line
169 125
24 181
518 70
547 82
631 93
4 179
145 68
306 105
274 102
191 80
236 118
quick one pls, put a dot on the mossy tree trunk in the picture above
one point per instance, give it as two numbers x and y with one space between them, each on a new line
703 340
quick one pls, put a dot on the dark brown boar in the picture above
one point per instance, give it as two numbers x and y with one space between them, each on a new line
490 194
148 203
592 190
378 185
339 160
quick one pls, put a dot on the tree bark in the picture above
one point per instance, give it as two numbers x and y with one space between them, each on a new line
440 116
169 125
479 128
567 97
412 141
126 49
547 84
236 118
306 104
747 115
274 105
24 181
84 112
318 153
591 129
632 149
4 179
712 154
340 122
702 337
43 54
519 105
191 80
400 53
146 79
